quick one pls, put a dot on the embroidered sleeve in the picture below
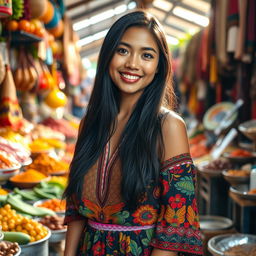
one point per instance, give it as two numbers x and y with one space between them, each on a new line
178 225
72 213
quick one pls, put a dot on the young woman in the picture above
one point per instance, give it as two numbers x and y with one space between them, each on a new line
131 183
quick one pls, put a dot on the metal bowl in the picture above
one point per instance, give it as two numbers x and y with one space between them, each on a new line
22 184
213 223
58 235
19 249
221 243
18 253
27 162
248 128
202 167
38 248
7 173
234 180
1 236
239 159
242 191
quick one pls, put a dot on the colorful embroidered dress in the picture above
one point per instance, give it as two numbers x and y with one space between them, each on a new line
170 216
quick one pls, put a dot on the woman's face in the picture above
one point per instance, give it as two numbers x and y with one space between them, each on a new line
135 61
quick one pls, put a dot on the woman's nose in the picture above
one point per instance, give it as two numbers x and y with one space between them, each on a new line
132 62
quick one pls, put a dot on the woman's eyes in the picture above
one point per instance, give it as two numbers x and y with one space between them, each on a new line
122 51
148 56
145 55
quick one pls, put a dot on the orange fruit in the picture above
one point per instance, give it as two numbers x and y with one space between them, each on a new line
48 13
37 23
12 25
32 28
39 32
58 30
24 25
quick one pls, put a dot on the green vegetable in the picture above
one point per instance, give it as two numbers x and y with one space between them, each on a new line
26 194
19 237
43 194
3 198
21 206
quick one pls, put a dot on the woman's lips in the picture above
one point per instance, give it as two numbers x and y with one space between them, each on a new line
129 78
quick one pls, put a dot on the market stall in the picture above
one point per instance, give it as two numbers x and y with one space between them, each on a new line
219 98
37 133
214 78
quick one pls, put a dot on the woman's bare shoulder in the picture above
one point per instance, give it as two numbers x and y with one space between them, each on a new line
174 135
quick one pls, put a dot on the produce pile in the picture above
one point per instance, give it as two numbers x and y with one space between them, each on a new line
18 213
8 248
12 222
54 204
48 165
20 153
53 222
61 125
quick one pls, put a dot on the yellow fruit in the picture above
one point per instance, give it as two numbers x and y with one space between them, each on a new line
56 99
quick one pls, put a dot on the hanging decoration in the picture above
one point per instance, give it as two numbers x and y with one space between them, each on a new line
10 111
5 8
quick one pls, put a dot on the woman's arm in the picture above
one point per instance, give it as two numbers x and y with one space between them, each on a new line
175 143
74 231
175 136
158 252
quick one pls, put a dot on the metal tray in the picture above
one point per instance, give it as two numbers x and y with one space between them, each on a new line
242 191
221 243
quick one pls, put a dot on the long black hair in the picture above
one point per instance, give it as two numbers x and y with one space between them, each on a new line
142 136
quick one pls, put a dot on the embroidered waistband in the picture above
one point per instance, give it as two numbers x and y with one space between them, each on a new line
114 227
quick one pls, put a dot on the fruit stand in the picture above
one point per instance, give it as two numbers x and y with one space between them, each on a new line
37 134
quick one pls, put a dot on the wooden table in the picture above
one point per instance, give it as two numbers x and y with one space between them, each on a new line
243 213
212 193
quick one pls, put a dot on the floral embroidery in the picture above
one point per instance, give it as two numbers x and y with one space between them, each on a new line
175 218
145 215
125 242
185 185
156 192
110 240
178 201
98 249
165 185
104 214
192 218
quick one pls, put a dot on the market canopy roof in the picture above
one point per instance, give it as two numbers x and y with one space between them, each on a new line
92 18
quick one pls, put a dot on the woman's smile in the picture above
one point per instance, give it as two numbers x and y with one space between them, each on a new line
128 77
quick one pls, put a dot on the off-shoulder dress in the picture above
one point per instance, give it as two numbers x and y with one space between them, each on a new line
168 220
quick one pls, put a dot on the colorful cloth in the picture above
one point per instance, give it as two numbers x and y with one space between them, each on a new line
172 209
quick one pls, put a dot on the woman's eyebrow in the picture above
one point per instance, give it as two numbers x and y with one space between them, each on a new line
143 48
